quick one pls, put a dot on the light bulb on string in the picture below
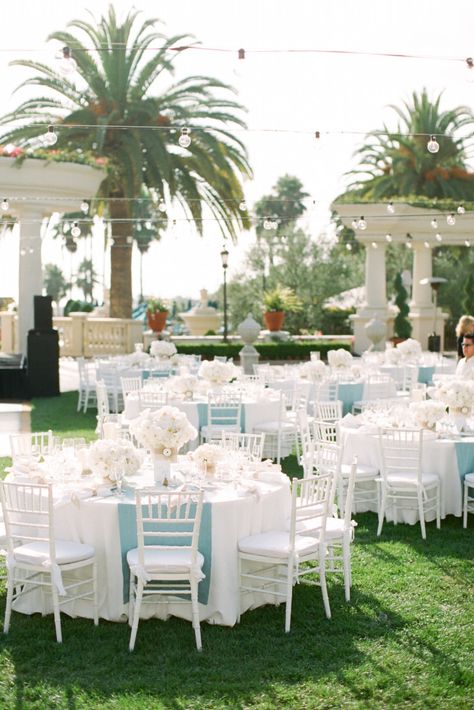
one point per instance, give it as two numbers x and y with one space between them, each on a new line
354 224
75 231
5 204
267 224
243 206
375 245
427 245
461 209
129 240
470 69
185 139
434 223
467 242
162 206
50 137
438 237
390 208
349 247
451 219
432 145
409 240
388 237
148 225
361 224
84 207
66 64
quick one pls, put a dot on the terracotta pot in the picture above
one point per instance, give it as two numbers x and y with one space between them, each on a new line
274 320
157 320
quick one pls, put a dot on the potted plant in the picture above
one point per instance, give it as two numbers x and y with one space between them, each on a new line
277 302
156 314
401 324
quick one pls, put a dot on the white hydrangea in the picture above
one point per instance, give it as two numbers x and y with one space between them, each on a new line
106 454
218 372
163 430
162 349
458 395
314 370
339 358
182 385
410 350
427 413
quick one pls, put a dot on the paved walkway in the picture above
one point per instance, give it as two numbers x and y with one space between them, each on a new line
15 416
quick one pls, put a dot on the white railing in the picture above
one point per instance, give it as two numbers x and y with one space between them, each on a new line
80 334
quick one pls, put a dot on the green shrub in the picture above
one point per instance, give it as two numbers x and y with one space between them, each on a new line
287 350
74 306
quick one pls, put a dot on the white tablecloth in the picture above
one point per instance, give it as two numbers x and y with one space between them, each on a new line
235 513
439 457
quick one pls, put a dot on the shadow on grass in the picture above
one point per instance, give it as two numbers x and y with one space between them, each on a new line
236 665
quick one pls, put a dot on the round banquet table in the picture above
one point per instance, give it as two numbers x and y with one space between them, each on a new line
231 511
450 459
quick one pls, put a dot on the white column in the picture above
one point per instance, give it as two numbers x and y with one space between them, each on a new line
30 269
375 286
422 268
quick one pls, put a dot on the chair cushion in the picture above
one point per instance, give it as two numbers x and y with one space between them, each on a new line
276 543
173 560
409 480
36 553
275 427
362 471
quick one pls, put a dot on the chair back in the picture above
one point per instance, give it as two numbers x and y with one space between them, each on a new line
326 391
102 398
400 451
224 409
325 432
310 501
166 520
329 411
306 442
109 375
28 515
130 384
31 443
379 386
152 399
250 444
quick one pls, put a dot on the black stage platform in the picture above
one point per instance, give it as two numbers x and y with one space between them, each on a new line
13 377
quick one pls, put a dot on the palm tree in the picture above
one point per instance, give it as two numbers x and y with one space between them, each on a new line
114 115
398 163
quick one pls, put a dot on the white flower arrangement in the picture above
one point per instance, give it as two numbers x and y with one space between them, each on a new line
217 372
393 356
163 431
426 414
410 350
136 359
314 370
162 349
339 358
105 455
458 395
207 455
182 385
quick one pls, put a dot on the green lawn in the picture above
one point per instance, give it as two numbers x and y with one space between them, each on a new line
406 639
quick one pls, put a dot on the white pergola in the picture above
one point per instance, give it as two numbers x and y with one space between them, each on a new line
35 189
408 225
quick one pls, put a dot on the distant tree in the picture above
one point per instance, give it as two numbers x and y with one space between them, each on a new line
401 325
86 279
54 282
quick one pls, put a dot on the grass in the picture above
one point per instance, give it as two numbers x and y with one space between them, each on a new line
404 641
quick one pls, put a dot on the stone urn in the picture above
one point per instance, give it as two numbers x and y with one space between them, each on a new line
376 332
249 331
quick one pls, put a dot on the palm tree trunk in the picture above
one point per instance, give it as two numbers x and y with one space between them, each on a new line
121 261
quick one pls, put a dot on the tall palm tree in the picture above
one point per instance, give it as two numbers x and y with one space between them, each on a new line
114 114
398 163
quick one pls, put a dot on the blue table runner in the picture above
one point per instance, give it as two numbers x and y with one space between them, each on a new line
348 393
465 457
127 519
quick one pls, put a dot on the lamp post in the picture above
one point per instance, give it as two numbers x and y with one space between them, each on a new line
225 264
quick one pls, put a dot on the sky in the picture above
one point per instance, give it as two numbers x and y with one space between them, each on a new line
290 92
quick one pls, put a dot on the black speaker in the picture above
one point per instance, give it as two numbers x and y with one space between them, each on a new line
434 343
43 363
43 313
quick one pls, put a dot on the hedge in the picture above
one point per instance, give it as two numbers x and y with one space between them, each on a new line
268 351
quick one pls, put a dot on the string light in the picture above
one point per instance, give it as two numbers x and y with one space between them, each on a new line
354 224
162 206
185 139
460 209
434 223
66 65
268 223
349 247
243 206
467 243
408 242
75 231
388 237
451 219
50 137
390 208
5 204
361 224
241 54
427 245
375 245
84 207
438 237
433 145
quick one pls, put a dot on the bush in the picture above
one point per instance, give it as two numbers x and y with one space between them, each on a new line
335 321
287 350
72 306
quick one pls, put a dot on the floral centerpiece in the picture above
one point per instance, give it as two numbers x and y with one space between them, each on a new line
314 370
340 358
183 386
457 395
426 414
162 349
206 457
163 432
106 455
218 373
393 356
410 350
